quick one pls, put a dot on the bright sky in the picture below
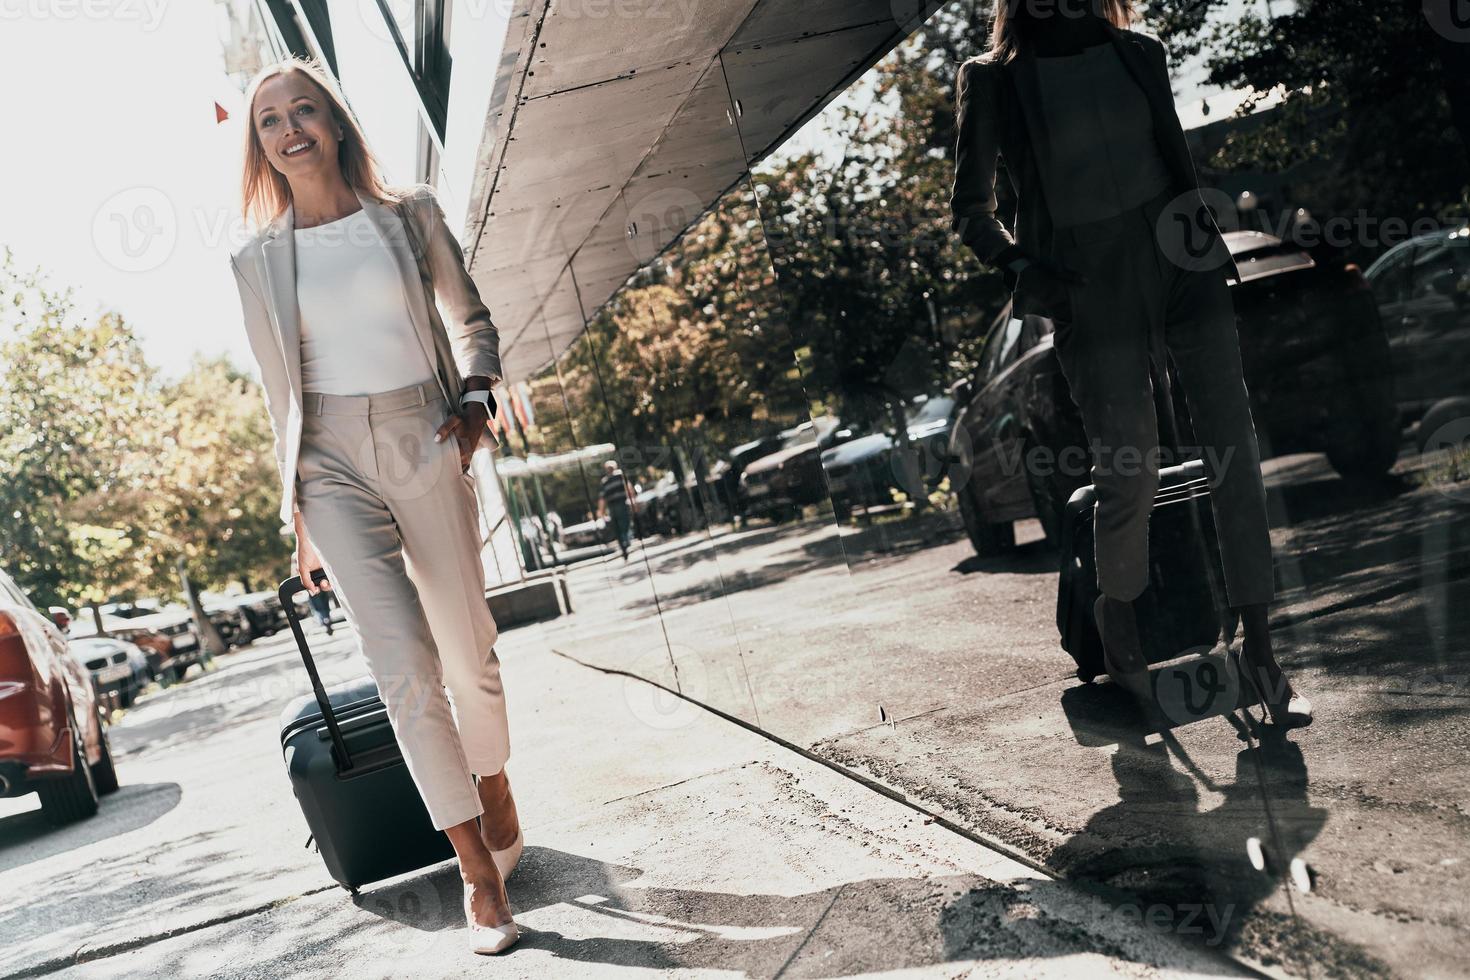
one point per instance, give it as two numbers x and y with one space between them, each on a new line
119 180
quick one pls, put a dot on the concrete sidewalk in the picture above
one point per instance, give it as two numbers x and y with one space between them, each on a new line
660 837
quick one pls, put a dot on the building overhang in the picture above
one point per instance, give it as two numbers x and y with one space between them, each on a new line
607 136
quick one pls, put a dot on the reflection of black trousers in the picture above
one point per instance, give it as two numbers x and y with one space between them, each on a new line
622 519
1145 291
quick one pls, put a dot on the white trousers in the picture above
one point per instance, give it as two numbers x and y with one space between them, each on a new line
397 527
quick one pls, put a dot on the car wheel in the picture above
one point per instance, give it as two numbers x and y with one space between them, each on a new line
1363 437
74 797
1446 424
989 539
104 773
127 694
178 671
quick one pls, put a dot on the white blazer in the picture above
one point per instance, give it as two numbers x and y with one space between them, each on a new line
265 272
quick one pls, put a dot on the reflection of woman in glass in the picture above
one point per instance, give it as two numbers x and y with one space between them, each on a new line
377 406
1112 241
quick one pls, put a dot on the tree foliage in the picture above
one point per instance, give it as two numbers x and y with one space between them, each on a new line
108 473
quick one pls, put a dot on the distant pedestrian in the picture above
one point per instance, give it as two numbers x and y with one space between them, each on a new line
321 605
614 500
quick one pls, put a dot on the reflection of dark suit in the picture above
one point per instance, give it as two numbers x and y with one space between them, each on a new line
999 114
1155 278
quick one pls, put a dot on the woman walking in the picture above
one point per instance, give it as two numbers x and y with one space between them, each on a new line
1112 241
377 406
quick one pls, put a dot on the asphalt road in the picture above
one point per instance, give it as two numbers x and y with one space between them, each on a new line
1340 850
660 837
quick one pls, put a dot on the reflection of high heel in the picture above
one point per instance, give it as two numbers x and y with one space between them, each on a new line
1289 710
506 859
1135 678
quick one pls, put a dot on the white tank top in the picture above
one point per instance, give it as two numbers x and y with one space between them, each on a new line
357 337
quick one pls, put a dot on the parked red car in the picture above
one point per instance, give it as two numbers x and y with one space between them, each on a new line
53 740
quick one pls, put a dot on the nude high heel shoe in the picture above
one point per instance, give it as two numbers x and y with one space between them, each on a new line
490 940
507 859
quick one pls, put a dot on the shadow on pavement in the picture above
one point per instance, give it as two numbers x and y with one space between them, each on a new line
28 837
855 927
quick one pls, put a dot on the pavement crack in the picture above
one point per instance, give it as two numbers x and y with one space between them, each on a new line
85 955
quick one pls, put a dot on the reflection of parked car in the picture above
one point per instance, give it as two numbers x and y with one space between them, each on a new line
118 668
1312 348
166 636
725 474
664 509
53 740
1423 292
780 484
227 615
588 534
865 472
263 613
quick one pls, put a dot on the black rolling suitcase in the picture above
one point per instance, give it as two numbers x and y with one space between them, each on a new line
348 774
1177 611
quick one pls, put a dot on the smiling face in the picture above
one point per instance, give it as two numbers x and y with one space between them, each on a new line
294 124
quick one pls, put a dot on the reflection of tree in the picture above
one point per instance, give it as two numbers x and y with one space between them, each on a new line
685 357
1378 106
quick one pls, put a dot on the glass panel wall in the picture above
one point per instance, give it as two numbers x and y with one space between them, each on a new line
949 418
850 467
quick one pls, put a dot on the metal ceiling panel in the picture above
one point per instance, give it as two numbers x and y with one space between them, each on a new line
608 136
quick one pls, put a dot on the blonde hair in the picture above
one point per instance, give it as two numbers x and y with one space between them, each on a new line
264 191
1016 19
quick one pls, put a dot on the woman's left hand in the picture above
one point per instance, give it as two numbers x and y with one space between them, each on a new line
468 426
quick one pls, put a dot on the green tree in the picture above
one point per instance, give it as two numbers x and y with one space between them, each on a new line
75 402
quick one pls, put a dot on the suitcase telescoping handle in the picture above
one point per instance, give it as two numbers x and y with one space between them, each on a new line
287 593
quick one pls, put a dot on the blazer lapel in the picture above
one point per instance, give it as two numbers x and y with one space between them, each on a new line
1160 98
278 252
1025 78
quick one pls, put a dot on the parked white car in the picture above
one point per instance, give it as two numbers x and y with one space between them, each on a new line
118 667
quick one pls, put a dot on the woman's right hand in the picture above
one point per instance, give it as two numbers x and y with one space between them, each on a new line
305 560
